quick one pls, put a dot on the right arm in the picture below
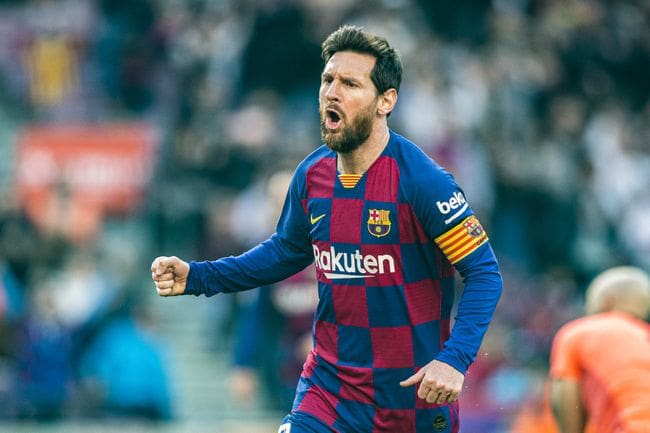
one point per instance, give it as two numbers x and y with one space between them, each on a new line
269 262
285 253
566 403
565 373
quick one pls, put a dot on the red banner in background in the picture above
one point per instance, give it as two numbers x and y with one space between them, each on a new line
69 177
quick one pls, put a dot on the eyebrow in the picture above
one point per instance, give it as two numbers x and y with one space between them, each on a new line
344 78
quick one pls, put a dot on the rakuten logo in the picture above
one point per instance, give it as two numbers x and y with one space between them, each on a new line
337 265
455 202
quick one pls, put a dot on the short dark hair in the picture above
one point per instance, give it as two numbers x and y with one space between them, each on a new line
387 72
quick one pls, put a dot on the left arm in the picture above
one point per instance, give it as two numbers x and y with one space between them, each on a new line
447 218
483 286
442 379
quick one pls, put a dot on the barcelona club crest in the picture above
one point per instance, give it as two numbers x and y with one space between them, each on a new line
379 222
473 227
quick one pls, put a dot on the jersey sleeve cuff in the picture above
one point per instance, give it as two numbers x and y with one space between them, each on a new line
455 361
194 286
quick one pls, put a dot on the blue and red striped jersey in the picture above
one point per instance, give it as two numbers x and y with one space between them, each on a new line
385 251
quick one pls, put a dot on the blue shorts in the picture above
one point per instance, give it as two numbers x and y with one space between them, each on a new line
299 422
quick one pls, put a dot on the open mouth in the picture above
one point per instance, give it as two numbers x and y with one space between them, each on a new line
332 119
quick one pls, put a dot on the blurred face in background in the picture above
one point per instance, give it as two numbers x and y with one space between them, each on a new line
347 101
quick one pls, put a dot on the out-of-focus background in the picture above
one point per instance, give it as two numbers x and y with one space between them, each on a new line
131 129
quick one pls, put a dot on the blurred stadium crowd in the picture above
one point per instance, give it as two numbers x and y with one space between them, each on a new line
541 109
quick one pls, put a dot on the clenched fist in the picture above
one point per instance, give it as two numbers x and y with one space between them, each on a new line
170 275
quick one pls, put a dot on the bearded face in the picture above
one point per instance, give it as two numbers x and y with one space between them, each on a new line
343 134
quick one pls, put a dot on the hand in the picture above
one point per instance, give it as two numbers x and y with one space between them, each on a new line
439 382
170 275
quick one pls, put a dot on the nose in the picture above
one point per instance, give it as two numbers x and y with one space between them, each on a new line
331 91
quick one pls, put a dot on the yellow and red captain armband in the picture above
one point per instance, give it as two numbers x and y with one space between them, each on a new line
462 239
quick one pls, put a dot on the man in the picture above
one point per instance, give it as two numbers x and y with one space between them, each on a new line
600 364
384 225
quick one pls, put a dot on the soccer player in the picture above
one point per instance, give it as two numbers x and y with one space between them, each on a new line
600 364
386 228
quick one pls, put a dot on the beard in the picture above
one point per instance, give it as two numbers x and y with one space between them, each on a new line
351 135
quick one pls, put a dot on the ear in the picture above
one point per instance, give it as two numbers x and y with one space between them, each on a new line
387 101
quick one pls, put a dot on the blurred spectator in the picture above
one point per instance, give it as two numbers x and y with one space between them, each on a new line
128 50
12 310
273 340
280 37
122 371
44 358
273 333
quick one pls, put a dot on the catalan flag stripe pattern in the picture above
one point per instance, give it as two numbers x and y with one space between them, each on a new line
349 180
463 239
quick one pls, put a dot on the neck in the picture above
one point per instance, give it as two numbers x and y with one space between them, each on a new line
359 160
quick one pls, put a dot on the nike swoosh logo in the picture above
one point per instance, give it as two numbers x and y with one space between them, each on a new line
315 220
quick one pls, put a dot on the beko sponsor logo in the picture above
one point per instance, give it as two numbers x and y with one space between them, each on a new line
456 203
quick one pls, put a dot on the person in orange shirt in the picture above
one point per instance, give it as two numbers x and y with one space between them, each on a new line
600 363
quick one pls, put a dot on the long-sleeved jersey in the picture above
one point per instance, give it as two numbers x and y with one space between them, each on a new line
385 252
